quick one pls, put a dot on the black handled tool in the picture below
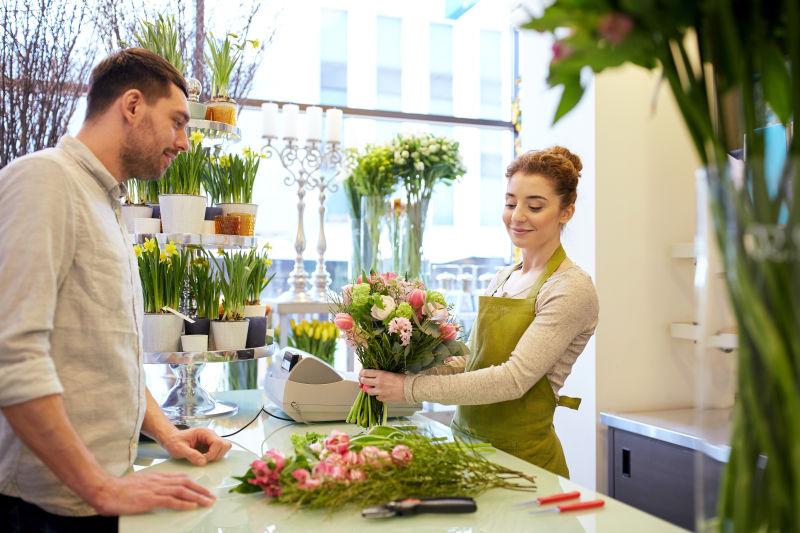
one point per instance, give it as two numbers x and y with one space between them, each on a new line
411 506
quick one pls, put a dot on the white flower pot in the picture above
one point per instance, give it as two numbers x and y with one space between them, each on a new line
255 310
194 343
182 213
209 227
229 335
161 332
146 226
131 212
250 209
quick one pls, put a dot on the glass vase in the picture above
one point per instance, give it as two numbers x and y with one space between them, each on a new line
416 212
397 229
373 210
355 262
754 217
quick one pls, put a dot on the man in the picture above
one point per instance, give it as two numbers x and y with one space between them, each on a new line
72 390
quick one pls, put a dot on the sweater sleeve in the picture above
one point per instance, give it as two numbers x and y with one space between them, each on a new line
566 310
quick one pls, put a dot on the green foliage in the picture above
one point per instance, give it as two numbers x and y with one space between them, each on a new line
162 273
187 170
161 37
222 57
205 285
374 173
231 177
141 192
258 280
236 267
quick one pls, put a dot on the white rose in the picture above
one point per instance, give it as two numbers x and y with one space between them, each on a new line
405 153
388 306
419 165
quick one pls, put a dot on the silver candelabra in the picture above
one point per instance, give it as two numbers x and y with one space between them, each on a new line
315 166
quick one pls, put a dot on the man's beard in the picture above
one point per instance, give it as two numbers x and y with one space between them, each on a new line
140 156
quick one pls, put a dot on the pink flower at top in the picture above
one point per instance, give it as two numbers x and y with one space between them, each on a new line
337 442
344 321
402 327
388 276
615 27
448 331
277 458
402 455
416 298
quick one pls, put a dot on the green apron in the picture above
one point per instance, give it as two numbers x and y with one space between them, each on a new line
521 427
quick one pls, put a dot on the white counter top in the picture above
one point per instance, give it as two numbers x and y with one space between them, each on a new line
252 512
707 430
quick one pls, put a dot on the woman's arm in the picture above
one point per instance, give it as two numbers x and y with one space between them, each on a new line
564 313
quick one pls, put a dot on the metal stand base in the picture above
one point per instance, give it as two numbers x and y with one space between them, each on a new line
187 401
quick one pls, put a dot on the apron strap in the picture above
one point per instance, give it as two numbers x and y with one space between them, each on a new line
569 402
552 265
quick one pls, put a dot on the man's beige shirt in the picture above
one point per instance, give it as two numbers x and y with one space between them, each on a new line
72 315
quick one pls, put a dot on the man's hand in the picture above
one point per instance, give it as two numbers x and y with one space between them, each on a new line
197 445
142 492
386 386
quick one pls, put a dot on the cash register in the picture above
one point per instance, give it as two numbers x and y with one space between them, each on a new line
308 389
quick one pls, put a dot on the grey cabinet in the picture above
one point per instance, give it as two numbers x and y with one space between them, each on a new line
658 477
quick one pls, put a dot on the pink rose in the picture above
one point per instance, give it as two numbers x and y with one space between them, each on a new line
301 475
437 312
347 294
356 475
344 321
417 298
337 442
448 331
401 455
276 458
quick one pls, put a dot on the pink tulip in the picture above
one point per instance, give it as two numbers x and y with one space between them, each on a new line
339 473
417 298
301 475
448 331
356 475
337 442
344 321
401 455
352 458
347 294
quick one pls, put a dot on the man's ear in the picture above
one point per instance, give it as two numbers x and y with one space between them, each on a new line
132 105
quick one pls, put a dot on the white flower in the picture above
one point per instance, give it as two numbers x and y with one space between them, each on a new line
405 153
437 312
415 155
419 165
434 148
388 306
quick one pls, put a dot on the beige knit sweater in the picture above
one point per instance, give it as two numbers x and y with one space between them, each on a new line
566 317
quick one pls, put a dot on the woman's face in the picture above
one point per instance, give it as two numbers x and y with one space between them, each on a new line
533 214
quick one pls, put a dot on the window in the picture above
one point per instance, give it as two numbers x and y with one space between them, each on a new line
389 75
491 87
441 78
442 199
491 177
333 58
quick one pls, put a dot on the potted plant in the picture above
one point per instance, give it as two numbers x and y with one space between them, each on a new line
230 181
161 37
162 273
374 179
140 194
254 310
315 337
422 161
205 285
183 209
230 331
734 71
222 58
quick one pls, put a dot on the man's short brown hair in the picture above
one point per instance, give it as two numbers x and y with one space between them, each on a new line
132 68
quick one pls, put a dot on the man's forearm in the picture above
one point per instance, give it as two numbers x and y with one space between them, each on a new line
43 425
156 425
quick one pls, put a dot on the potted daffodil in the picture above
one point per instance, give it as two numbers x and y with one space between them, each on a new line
230 180
254 310
162 273
183 208
222 58
230 331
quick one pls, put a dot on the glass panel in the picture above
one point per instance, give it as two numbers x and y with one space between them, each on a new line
441 64
333 58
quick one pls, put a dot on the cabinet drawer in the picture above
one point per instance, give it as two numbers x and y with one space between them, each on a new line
654 476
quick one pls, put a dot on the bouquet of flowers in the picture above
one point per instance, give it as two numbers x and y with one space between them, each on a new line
387 463
394 325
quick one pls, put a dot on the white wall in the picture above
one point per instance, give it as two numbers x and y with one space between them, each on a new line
576 131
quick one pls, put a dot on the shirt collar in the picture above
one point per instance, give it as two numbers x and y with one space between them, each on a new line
85 158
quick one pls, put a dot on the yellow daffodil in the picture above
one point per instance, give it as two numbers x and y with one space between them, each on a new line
163 257
220 251
225 161
150 245
170 249
267 262
247 152
196 137
256 43
137 250
267 246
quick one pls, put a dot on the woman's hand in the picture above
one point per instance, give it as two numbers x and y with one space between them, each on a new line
387 387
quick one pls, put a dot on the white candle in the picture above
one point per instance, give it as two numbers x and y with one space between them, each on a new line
290 112
314 123
334 125
269 115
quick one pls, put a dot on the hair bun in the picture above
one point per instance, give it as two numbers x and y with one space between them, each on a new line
572 158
